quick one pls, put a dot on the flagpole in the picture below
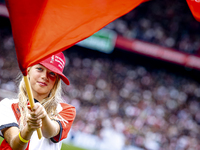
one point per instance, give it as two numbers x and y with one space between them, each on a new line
31 101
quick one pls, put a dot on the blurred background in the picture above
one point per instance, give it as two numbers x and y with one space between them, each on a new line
135 83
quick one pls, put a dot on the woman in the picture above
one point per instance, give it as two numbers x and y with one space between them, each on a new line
19 122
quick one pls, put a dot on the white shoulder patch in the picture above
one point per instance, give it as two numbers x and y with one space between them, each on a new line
59 108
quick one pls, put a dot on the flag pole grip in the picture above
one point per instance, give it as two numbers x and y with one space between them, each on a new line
31 101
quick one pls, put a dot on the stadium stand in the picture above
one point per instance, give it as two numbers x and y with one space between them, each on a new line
166 23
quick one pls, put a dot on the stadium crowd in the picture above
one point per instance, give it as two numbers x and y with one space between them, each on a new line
150 109
168 23
153 109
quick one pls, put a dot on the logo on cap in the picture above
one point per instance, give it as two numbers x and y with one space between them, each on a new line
52 59
196 1
60 62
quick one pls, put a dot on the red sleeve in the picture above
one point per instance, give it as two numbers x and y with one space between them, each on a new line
68 113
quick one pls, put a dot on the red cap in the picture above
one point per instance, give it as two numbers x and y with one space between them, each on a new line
56 63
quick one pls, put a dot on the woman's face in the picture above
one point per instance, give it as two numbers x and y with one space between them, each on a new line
42 81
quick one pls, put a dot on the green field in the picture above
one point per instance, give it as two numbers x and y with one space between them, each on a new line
64 146
1 139
70 147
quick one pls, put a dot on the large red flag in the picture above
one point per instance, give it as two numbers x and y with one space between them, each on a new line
44 27
194 6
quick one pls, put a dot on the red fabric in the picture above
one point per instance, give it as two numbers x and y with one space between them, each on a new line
16 110
5 146
68 113
194 6
45 27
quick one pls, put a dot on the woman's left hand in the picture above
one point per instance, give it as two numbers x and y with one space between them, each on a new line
37 111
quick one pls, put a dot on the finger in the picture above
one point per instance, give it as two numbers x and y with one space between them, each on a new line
35 107
34 126
36 110
39 110
34 123
42 115
33 114
38 121
32 119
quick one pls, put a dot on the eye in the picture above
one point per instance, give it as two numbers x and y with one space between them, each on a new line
52 74
39 69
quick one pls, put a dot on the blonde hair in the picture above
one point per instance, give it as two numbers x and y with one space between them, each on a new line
50 103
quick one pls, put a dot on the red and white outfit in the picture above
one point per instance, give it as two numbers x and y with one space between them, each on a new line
10 114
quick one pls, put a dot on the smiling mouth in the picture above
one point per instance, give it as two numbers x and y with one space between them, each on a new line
42 84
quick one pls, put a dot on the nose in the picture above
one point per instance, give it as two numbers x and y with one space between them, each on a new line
45 75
